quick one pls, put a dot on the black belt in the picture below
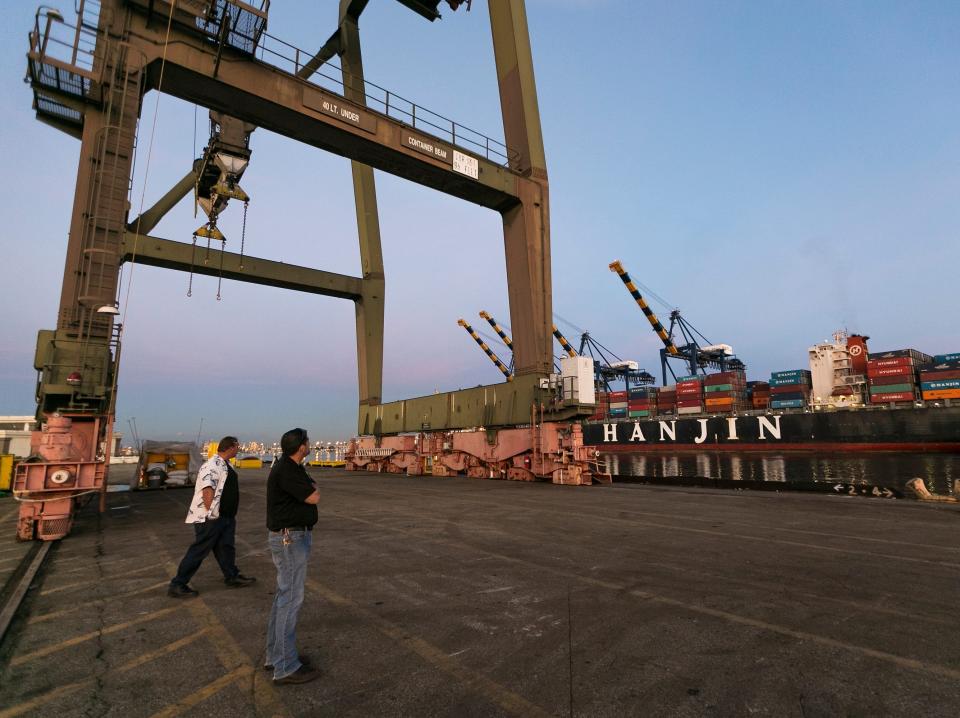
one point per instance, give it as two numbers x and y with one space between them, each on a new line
292 528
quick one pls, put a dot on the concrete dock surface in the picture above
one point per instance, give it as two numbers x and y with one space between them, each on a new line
463 597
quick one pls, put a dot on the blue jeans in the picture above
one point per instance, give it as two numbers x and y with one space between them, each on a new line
216 535
291 562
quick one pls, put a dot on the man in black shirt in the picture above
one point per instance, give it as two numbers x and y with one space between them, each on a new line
292 500
213 513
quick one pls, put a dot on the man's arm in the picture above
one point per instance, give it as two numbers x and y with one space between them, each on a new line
313 498
207 497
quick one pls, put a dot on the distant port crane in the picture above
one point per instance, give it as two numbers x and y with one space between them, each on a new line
696 357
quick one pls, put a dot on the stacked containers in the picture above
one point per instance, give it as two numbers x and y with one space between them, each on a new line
759 393
603 405
667 400
725 391
618 405
941 380
641 402
790 389
892 376
690 395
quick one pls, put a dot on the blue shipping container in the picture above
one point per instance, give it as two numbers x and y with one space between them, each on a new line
787 380
943 384
789 373
787 404
617 413
943 358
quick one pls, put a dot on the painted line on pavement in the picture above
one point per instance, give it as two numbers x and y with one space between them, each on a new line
49 696
231 656
210 689
40 618
491 690
901 661
100 579
46 651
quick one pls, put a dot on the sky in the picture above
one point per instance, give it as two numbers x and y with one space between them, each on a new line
775 170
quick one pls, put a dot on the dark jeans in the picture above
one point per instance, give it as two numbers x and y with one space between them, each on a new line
217 536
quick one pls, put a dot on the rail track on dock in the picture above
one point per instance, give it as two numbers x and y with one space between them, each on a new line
18 583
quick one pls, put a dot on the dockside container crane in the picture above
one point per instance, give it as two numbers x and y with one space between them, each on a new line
695 356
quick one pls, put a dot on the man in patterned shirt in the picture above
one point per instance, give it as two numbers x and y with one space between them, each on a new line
213 513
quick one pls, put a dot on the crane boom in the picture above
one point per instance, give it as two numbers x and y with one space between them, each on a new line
615 266
489 352
496 327
563 342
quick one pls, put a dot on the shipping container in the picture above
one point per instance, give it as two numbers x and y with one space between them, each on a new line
892 397
898 361
719 403
939 374
942 394
689 402
637 414
787 404
892 389
790 373
895 379
789 389
937 385
618 396
788 380
790 396
890 371
718 387
918 357
945 358
690 410
725 377
617 413
692 377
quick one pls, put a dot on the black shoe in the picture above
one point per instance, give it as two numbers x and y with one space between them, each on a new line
239 581
175 590
304 674
304 659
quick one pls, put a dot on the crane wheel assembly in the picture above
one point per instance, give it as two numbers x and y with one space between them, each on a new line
548 451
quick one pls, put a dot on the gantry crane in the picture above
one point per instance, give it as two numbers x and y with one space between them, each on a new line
571 352
695 356
504 337
487 350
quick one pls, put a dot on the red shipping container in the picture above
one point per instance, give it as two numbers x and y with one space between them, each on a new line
939 374
725 377
639 405
790 388
689 382
910 378
895 396
695 389
882 363
618 396
890 371
686 403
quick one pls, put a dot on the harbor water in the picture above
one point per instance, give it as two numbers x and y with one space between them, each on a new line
840 472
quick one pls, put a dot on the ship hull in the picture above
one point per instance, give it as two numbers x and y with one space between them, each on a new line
907 429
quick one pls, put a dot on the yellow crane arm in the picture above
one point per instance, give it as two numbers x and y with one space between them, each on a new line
615 266
489 352
563 342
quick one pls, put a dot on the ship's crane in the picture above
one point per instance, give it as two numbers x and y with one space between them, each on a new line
571 352
504 337
487 350
696 356
607 366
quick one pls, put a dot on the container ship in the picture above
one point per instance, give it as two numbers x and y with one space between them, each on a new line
847 400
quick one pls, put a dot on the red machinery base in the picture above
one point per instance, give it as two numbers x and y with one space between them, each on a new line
551 451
